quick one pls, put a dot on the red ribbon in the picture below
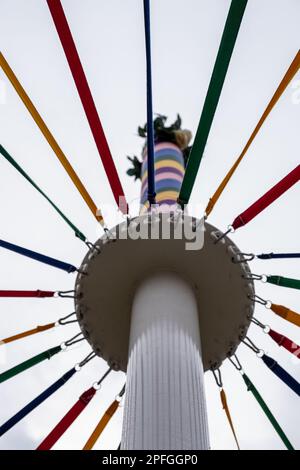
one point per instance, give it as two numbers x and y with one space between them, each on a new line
67 420
267 199
26 293
282 340
87 101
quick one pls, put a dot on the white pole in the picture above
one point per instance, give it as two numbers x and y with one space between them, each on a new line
165 405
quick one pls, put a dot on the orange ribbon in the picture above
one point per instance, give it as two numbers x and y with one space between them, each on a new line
49 137
226 409
101 425
286 314
38 329
291 72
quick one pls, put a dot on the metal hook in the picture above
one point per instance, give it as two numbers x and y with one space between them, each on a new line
253 277
65 294
242 257
91 246
230 229
247 342
107 233
237 365
62 321
119 398
265 328
218 377
73 340
259 300
87 359
257 322
122 391
104 376
81 272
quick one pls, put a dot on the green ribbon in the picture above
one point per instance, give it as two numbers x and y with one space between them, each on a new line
10 159
226 47
267 412
284 281
8 374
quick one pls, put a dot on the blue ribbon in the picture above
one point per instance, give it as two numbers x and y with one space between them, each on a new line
150 130
69 268
278 255
282 374
36 402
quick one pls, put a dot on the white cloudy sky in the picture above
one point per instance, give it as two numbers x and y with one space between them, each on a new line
109 37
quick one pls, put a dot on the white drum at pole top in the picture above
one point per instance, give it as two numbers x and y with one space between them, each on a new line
143 302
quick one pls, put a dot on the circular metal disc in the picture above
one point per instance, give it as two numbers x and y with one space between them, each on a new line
104 293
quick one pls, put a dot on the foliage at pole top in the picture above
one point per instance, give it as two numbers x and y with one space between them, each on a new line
162 133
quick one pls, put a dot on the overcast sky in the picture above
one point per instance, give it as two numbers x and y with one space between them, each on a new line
110 41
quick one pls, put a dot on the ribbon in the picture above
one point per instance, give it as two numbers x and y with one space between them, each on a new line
286 314
36 402
282 374
87 101
150 131
27 293
278 255
103 423
251 388
69 268
291 72
284 281
285 342
231 29
13 162
33 361
49 137
67 420
226 409
268 198
38 329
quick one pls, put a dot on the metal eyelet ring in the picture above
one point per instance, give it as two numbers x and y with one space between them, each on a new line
230 230
120 400
96 386
260 353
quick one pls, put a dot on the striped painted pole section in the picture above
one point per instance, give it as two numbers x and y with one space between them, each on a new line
169 171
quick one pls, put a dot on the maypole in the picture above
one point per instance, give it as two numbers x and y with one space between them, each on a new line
165 404
143 300
165 309
162 296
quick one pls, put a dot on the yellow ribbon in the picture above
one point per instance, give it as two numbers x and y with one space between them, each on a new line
226 409
49 137
101 425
